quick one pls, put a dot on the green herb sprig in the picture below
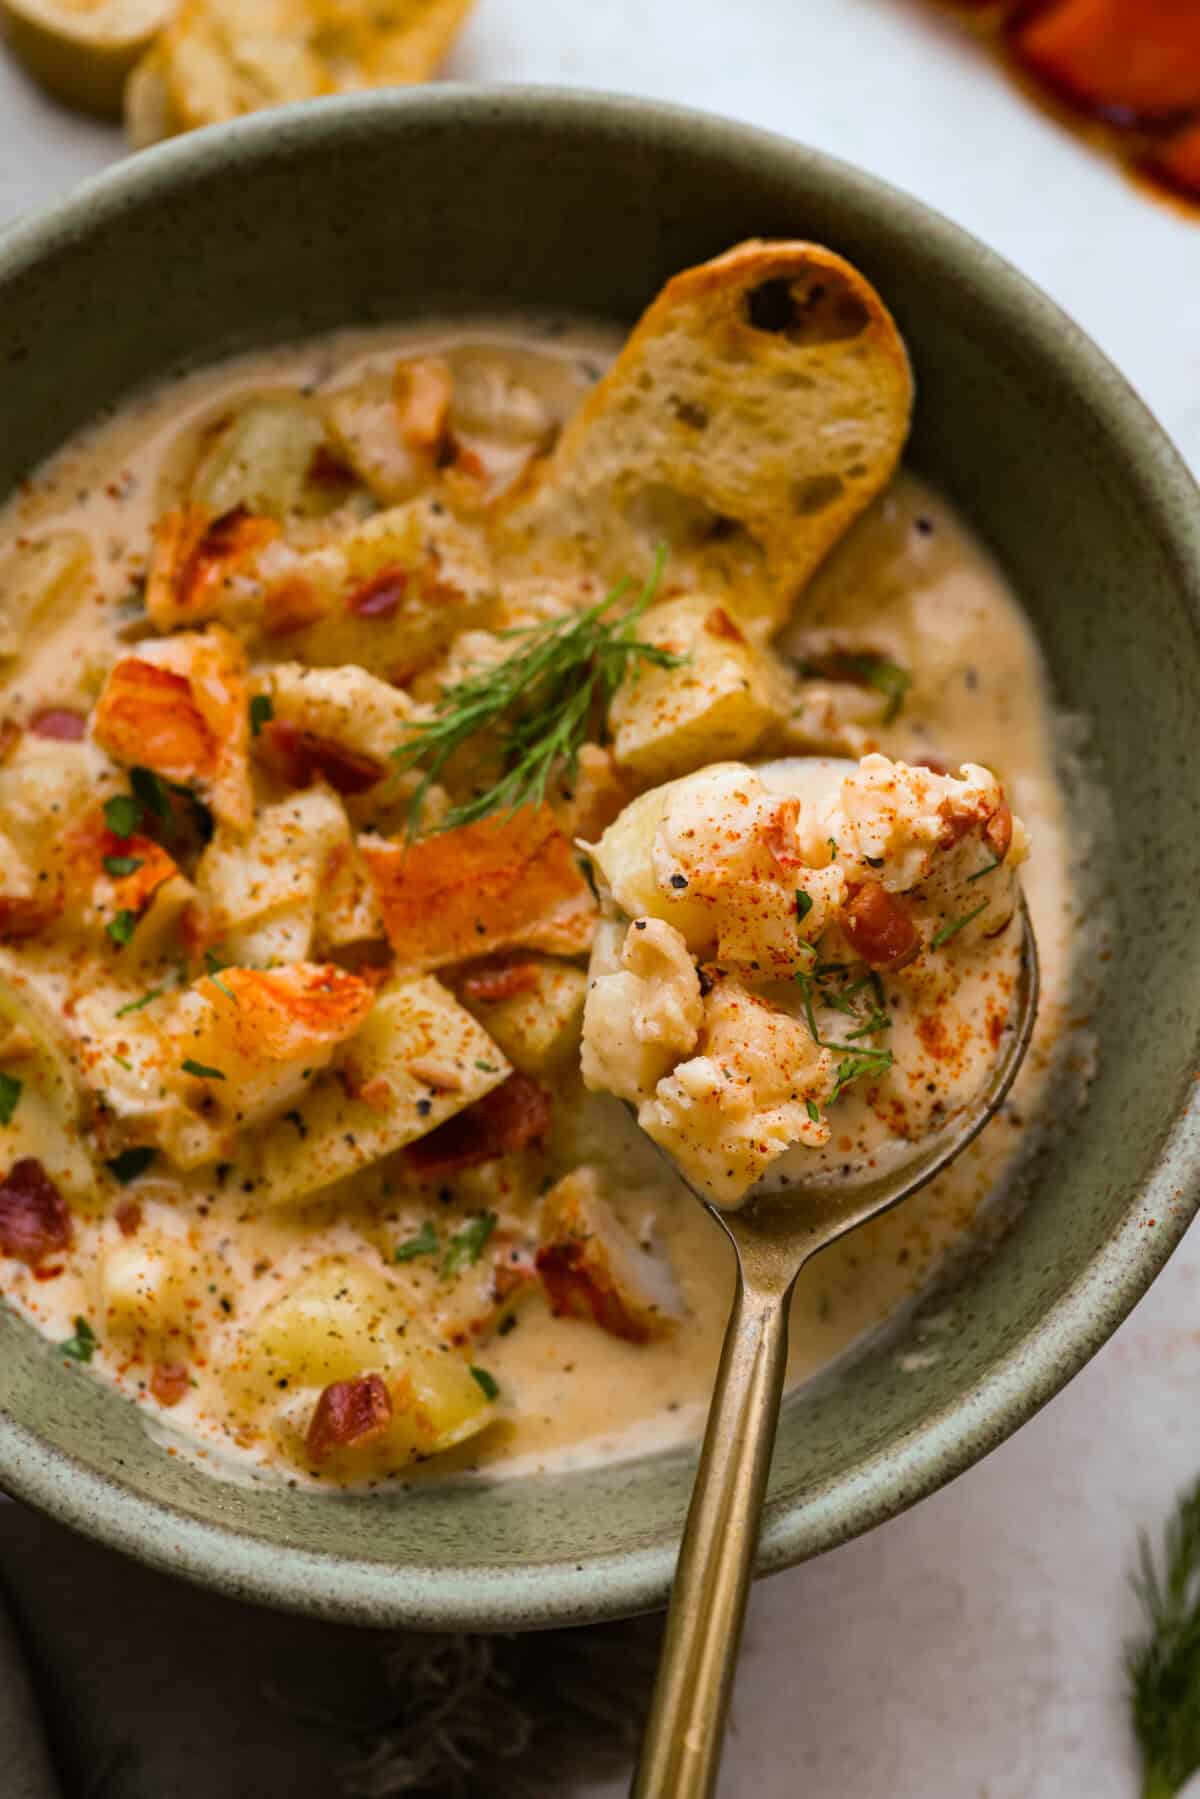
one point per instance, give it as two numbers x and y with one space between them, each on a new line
1163 1662
10 1092
468 1244
425 1243
862 1000
82 1346
540 701
866 669
957 924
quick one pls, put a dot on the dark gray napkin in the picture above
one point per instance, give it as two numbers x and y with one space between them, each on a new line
148 1688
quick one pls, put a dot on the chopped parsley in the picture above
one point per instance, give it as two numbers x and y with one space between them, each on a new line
213 966
82 1346
867 669
987 869
10 1093
135 1005
151 793
813 1110
804 904
261 712
467 1245
130 1163
957 924
121 927
487 1067
487 1383
201 1071
120 866
425 1243
122 815
862 1001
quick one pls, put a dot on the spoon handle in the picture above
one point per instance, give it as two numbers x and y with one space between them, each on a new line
681 1751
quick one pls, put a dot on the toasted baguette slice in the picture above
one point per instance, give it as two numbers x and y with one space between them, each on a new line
759 405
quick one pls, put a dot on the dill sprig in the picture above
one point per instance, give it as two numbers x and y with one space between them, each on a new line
1163 1664
863 1001
540 701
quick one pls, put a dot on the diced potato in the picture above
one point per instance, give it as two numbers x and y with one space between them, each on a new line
718 704
538 1025
418 1060
39 582
143 1287
264 460
344 1320
45 788
263 897
593 1269
624 861
35 1050
412 577
389 424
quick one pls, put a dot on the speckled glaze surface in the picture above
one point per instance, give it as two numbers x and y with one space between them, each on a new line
397 205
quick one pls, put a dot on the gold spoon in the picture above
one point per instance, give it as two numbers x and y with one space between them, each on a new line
774 1233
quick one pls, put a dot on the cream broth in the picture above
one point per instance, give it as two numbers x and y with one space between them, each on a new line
912 584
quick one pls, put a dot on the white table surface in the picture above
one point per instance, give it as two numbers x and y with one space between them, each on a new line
969 1650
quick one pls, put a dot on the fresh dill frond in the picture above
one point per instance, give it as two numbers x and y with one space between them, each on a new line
861 1000
1163 1663
540 701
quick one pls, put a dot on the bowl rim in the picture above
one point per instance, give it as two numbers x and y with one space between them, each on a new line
953 1436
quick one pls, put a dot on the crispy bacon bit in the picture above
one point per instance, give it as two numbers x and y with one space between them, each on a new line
878 928
486 986
998 831
577 1289
719 624
23 916
381 596
513 1270
301 757
505 881
505 1120
129 1217
34 1219
348 1414
169 1382
58 723
149 715
328 470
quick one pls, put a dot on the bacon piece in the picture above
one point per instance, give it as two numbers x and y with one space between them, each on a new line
34 1219
381 596
486 986
348 1414
169 1382
575 1290
59 724
506 881
1125 60
592 1269
998 831
129 1217
878 928
301 757
505 1120
23 916
148 715
195 556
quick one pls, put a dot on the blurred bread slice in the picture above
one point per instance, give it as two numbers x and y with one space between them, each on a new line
83 52
762 401
220 59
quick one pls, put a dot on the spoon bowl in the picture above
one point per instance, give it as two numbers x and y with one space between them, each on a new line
775 1231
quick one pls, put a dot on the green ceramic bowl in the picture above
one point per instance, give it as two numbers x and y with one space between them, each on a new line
404 204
